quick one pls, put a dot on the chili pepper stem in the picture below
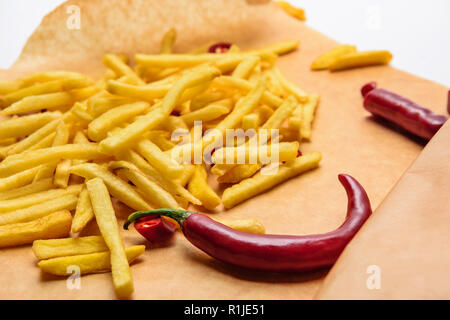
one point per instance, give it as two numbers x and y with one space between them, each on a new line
177 214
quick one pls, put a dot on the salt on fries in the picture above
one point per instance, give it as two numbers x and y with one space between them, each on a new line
69 143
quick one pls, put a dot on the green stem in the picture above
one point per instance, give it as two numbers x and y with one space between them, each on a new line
178 215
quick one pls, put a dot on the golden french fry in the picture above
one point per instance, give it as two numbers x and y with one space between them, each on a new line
309 109
295 12
206 98
98 128
23 126
61 138
34 90
245 68
160 160
261 182
44 143
149 189
325 60
289 87
88 263
99 105
18 180
35 187
49 101
26 160
66 202
61 178
252 154
244 225
83 212
54 225
79 138
120 68
116 186
146 93
169 185
267 97
36 198
53 248
35 137
109 228
53 75
79 110
239 173
167 41
201 190
210 112
361 59
278 48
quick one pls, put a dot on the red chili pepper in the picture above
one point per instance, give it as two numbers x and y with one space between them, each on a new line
403 112
155 228
277 253
368 87
220 47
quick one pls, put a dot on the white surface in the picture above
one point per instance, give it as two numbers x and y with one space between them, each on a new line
417 32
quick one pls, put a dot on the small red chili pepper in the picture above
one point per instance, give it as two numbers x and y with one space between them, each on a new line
368 87
403 112
155 228
220 47
277 253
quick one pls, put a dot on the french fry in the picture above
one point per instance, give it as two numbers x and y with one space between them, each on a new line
149 189
37 89
26 160
167 41
54 225
62 174
49 101
361 59
239 173
83 212
295 12
51 76
44 143
244 69
325 60
109 228
169 185
146 92
120 68
99 105
267 97
36 198
289 87
61 138
259 183
244 225
210 112
35 187
308 115
278 48
79 110
201 190
88 263
67 202
18 180
54 248
160 160
116 186
253 154
35 137
98 128
23 126
206 98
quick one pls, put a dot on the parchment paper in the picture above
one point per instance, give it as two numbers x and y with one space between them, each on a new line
351 142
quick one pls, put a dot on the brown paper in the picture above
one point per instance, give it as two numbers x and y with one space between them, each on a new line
351 142
407 240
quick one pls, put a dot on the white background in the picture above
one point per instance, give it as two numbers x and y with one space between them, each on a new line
417 32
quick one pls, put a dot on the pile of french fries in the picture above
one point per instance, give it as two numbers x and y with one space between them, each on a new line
69 144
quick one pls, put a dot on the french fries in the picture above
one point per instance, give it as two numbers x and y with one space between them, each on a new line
88 263
107 223
53 248
83 212
54 225
23 126
361 59
199 187
35 187
259 183
325 60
